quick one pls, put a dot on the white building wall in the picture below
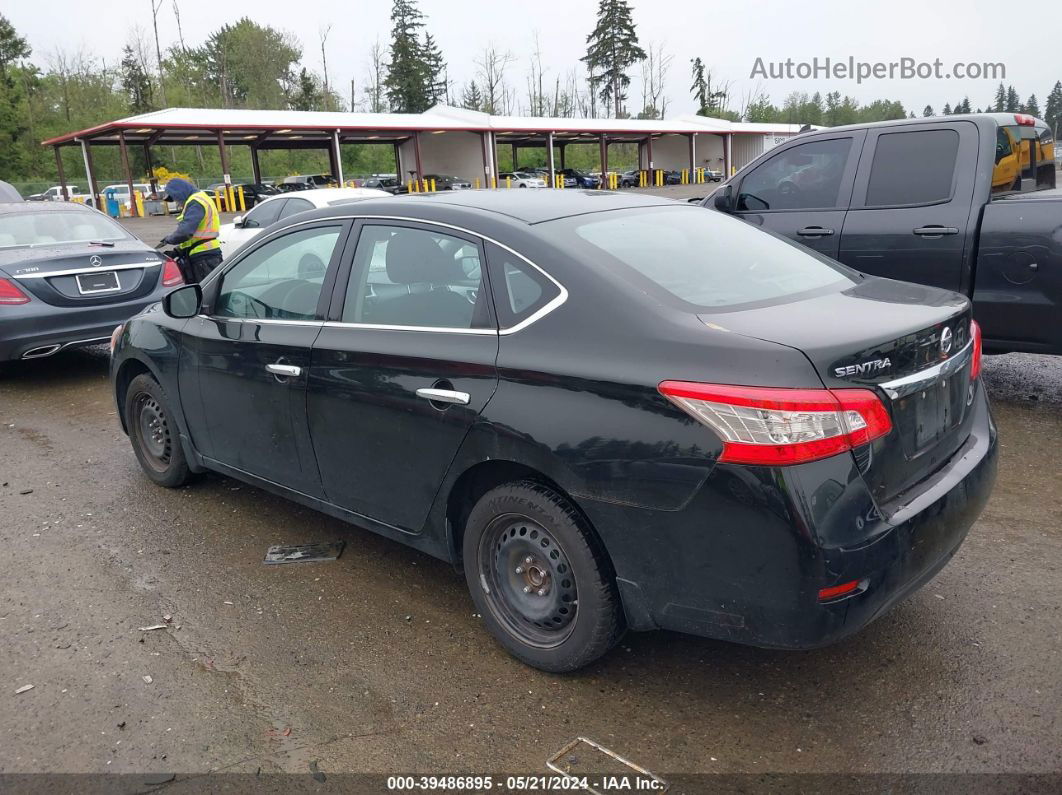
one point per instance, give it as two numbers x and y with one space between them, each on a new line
458 154
672 153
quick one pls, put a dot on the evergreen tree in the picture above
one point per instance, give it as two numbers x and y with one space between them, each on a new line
435 70
408 80
472 97
612 48
1013 101
308 93
927 111
947 109
14 105
1001 99
1032 107
1053 110
135 82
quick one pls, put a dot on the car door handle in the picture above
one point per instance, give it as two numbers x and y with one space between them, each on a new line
444 396
935 231
285 370
814 231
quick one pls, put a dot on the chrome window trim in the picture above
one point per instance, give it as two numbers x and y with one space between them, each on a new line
123 267
561 297
909 384
269 321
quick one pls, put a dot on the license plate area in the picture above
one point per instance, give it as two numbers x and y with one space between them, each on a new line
927 415
98 282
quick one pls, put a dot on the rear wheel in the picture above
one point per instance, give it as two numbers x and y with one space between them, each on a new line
540 579
153 433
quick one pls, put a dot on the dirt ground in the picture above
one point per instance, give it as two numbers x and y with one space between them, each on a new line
377 663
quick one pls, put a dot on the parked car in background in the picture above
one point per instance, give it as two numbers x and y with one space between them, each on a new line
630 179
275 208
306 182
55 194
944 201
389 184
732 460
120 192
253 193
69 275
573 178
712 176
521 179
446 182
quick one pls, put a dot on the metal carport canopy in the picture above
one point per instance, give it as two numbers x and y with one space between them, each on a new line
283 129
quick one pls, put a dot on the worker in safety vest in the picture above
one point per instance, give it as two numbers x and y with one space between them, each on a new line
196 235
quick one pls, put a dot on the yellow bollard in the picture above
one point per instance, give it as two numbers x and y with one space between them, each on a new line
243 204
409 186
230 198
433 186
475 183
217 200
508 182
139 203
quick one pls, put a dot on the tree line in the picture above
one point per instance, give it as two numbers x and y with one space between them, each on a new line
248 64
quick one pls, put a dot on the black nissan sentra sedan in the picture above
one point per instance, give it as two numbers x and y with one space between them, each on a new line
68 274
611 411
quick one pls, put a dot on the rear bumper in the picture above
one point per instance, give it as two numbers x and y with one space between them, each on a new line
745 560
37 328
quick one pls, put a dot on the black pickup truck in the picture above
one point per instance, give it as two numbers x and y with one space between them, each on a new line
963 202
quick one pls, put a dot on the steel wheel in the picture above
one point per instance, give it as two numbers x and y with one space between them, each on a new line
153 432
531 584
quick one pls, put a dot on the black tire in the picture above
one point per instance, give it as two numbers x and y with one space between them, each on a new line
573 616
153 433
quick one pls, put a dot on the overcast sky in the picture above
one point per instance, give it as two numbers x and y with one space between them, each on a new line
729 36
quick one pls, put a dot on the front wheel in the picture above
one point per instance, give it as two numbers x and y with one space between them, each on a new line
153 433
540 579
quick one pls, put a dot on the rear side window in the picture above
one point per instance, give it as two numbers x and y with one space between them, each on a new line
264 214
520 290
292 206
915 167
705 259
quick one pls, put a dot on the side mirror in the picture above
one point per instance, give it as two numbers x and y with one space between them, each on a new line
723 199
238 221
184 302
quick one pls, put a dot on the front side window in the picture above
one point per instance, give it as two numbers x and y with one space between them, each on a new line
264 214
414 277
916 167
280 280
804 177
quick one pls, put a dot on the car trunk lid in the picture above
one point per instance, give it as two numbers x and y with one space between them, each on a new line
84 274
911 344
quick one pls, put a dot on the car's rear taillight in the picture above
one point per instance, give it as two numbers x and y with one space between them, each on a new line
766 425
975 362
171 274
10 294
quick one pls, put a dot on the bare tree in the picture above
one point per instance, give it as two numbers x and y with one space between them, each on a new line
323 32
177 16
491 70
537 104
155 6
654 77
375 91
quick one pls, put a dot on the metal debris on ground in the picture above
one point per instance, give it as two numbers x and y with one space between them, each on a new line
147 679
23 689
598 768
304 553
153 627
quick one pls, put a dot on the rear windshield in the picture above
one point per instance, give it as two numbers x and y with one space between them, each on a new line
49 228
1025 159
703 258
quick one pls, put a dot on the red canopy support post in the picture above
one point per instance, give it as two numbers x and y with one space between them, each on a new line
416 154
62 176
693 154
256 167
549 159
226 176
128 173
604 159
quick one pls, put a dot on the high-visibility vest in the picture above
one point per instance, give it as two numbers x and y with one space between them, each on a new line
204 238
